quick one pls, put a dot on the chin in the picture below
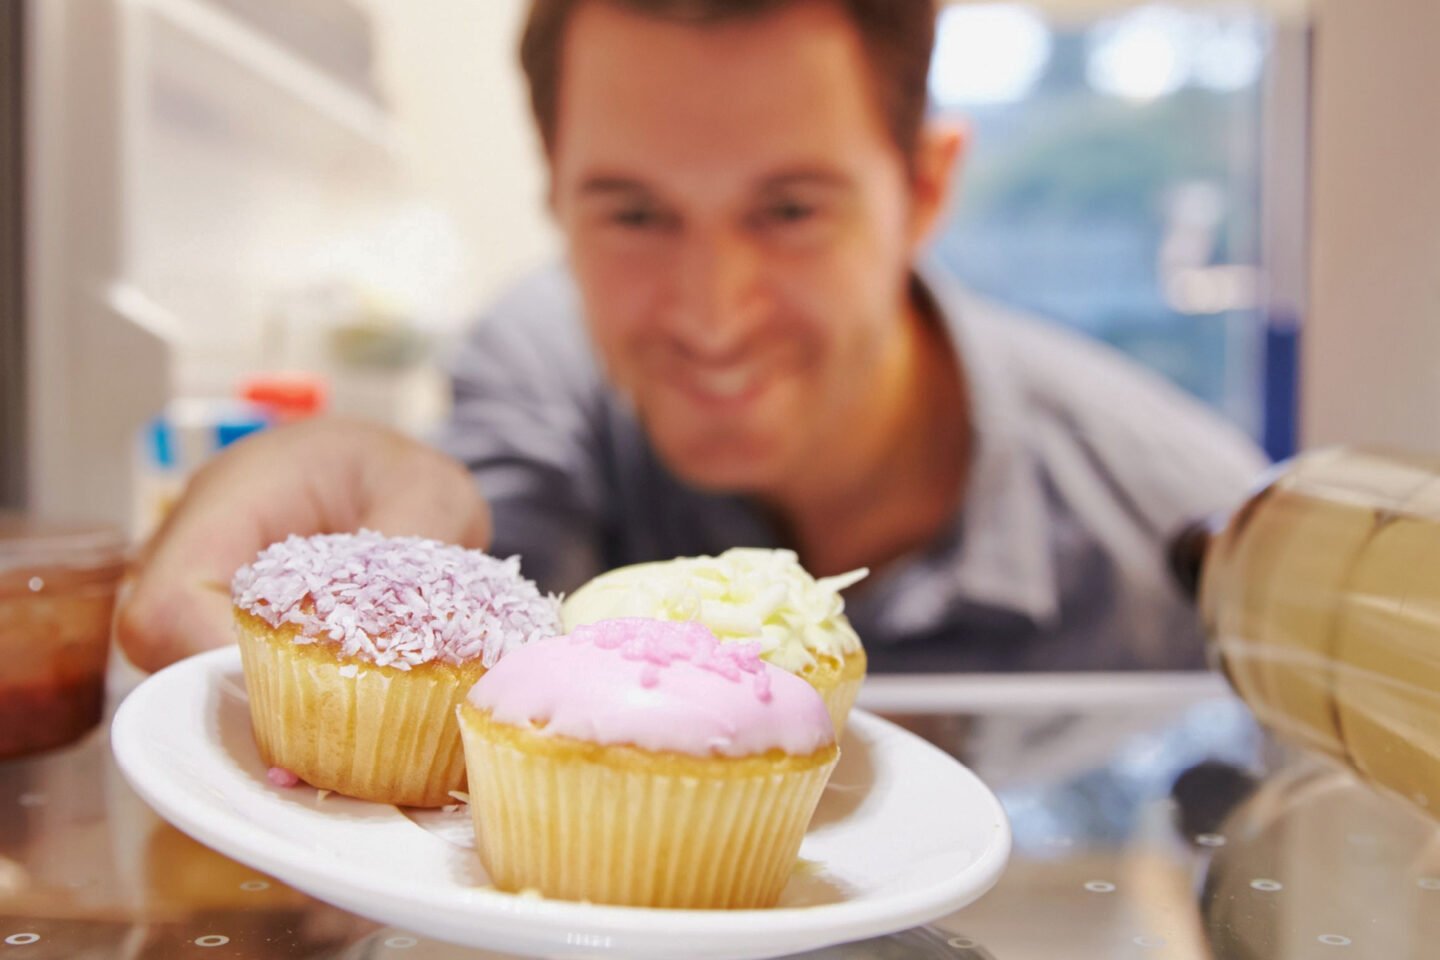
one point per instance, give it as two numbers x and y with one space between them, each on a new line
723 466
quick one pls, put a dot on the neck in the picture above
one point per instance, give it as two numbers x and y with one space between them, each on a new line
891 477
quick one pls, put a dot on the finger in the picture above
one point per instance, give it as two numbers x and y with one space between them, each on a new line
255 493
426 494
156 627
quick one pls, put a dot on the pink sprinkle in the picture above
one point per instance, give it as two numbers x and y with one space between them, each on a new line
281 777
396 601
658 644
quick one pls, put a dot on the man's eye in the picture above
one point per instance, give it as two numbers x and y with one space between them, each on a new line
791 212
636 218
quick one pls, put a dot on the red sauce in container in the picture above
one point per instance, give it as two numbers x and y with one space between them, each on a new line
57 596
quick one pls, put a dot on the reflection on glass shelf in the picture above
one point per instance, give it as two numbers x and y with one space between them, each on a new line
1105 801
1146 830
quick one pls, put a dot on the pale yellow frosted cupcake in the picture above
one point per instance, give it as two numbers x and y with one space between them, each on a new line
744 594
358 647
644 763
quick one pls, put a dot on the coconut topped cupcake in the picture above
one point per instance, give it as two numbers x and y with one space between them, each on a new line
746 593
659 686
397 602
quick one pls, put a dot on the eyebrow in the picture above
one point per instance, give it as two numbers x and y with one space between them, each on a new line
806 176
603 184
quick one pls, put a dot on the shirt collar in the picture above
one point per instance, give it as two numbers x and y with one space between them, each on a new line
997 554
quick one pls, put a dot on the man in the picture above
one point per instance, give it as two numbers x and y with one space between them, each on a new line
746 189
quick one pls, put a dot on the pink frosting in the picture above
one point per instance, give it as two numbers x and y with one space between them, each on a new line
658 685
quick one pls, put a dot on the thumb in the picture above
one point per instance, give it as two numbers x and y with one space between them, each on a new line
194 618
427 495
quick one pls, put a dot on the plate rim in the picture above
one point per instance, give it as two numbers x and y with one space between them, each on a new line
823 924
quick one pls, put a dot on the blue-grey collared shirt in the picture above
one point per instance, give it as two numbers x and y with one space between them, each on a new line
1084 466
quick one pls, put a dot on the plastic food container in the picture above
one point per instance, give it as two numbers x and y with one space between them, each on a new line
57 594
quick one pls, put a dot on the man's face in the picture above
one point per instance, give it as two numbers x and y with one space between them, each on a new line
740 225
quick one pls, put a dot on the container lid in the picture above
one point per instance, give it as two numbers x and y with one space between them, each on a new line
30 542
287 396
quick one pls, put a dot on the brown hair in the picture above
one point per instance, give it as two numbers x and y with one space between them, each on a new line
897 36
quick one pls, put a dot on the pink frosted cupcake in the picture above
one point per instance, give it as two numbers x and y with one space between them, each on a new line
643 762
357 649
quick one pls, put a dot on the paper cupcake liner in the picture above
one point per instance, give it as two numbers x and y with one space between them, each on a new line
838 685
839 700
576 829
383 734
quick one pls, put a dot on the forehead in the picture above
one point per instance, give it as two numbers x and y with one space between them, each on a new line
713 100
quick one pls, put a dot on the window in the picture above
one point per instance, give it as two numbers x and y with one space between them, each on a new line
1114 184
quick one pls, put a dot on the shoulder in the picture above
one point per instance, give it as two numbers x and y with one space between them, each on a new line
1166 455
533 333
547 295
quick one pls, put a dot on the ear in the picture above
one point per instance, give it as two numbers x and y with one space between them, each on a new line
937 166
551 191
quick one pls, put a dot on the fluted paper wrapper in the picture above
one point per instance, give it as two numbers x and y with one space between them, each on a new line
383 734
838 686
574 829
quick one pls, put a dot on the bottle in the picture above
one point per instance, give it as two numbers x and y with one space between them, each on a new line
1321 598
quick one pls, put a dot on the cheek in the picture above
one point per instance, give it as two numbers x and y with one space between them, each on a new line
619 297
843 303
854 284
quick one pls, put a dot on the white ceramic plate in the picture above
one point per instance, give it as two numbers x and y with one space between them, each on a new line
903 835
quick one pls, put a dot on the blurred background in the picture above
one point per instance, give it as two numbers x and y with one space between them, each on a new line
219 213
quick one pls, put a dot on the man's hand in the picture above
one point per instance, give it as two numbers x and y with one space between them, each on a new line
319 476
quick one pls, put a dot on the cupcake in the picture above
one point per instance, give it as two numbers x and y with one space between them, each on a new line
357 648
644 763
744 594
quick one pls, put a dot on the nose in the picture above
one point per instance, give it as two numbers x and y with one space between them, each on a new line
720 298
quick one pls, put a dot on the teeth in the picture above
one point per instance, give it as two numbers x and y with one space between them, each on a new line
727 383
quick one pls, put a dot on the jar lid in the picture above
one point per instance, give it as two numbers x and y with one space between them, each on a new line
29 542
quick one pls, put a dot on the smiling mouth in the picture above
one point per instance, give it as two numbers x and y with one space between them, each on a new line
726 387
